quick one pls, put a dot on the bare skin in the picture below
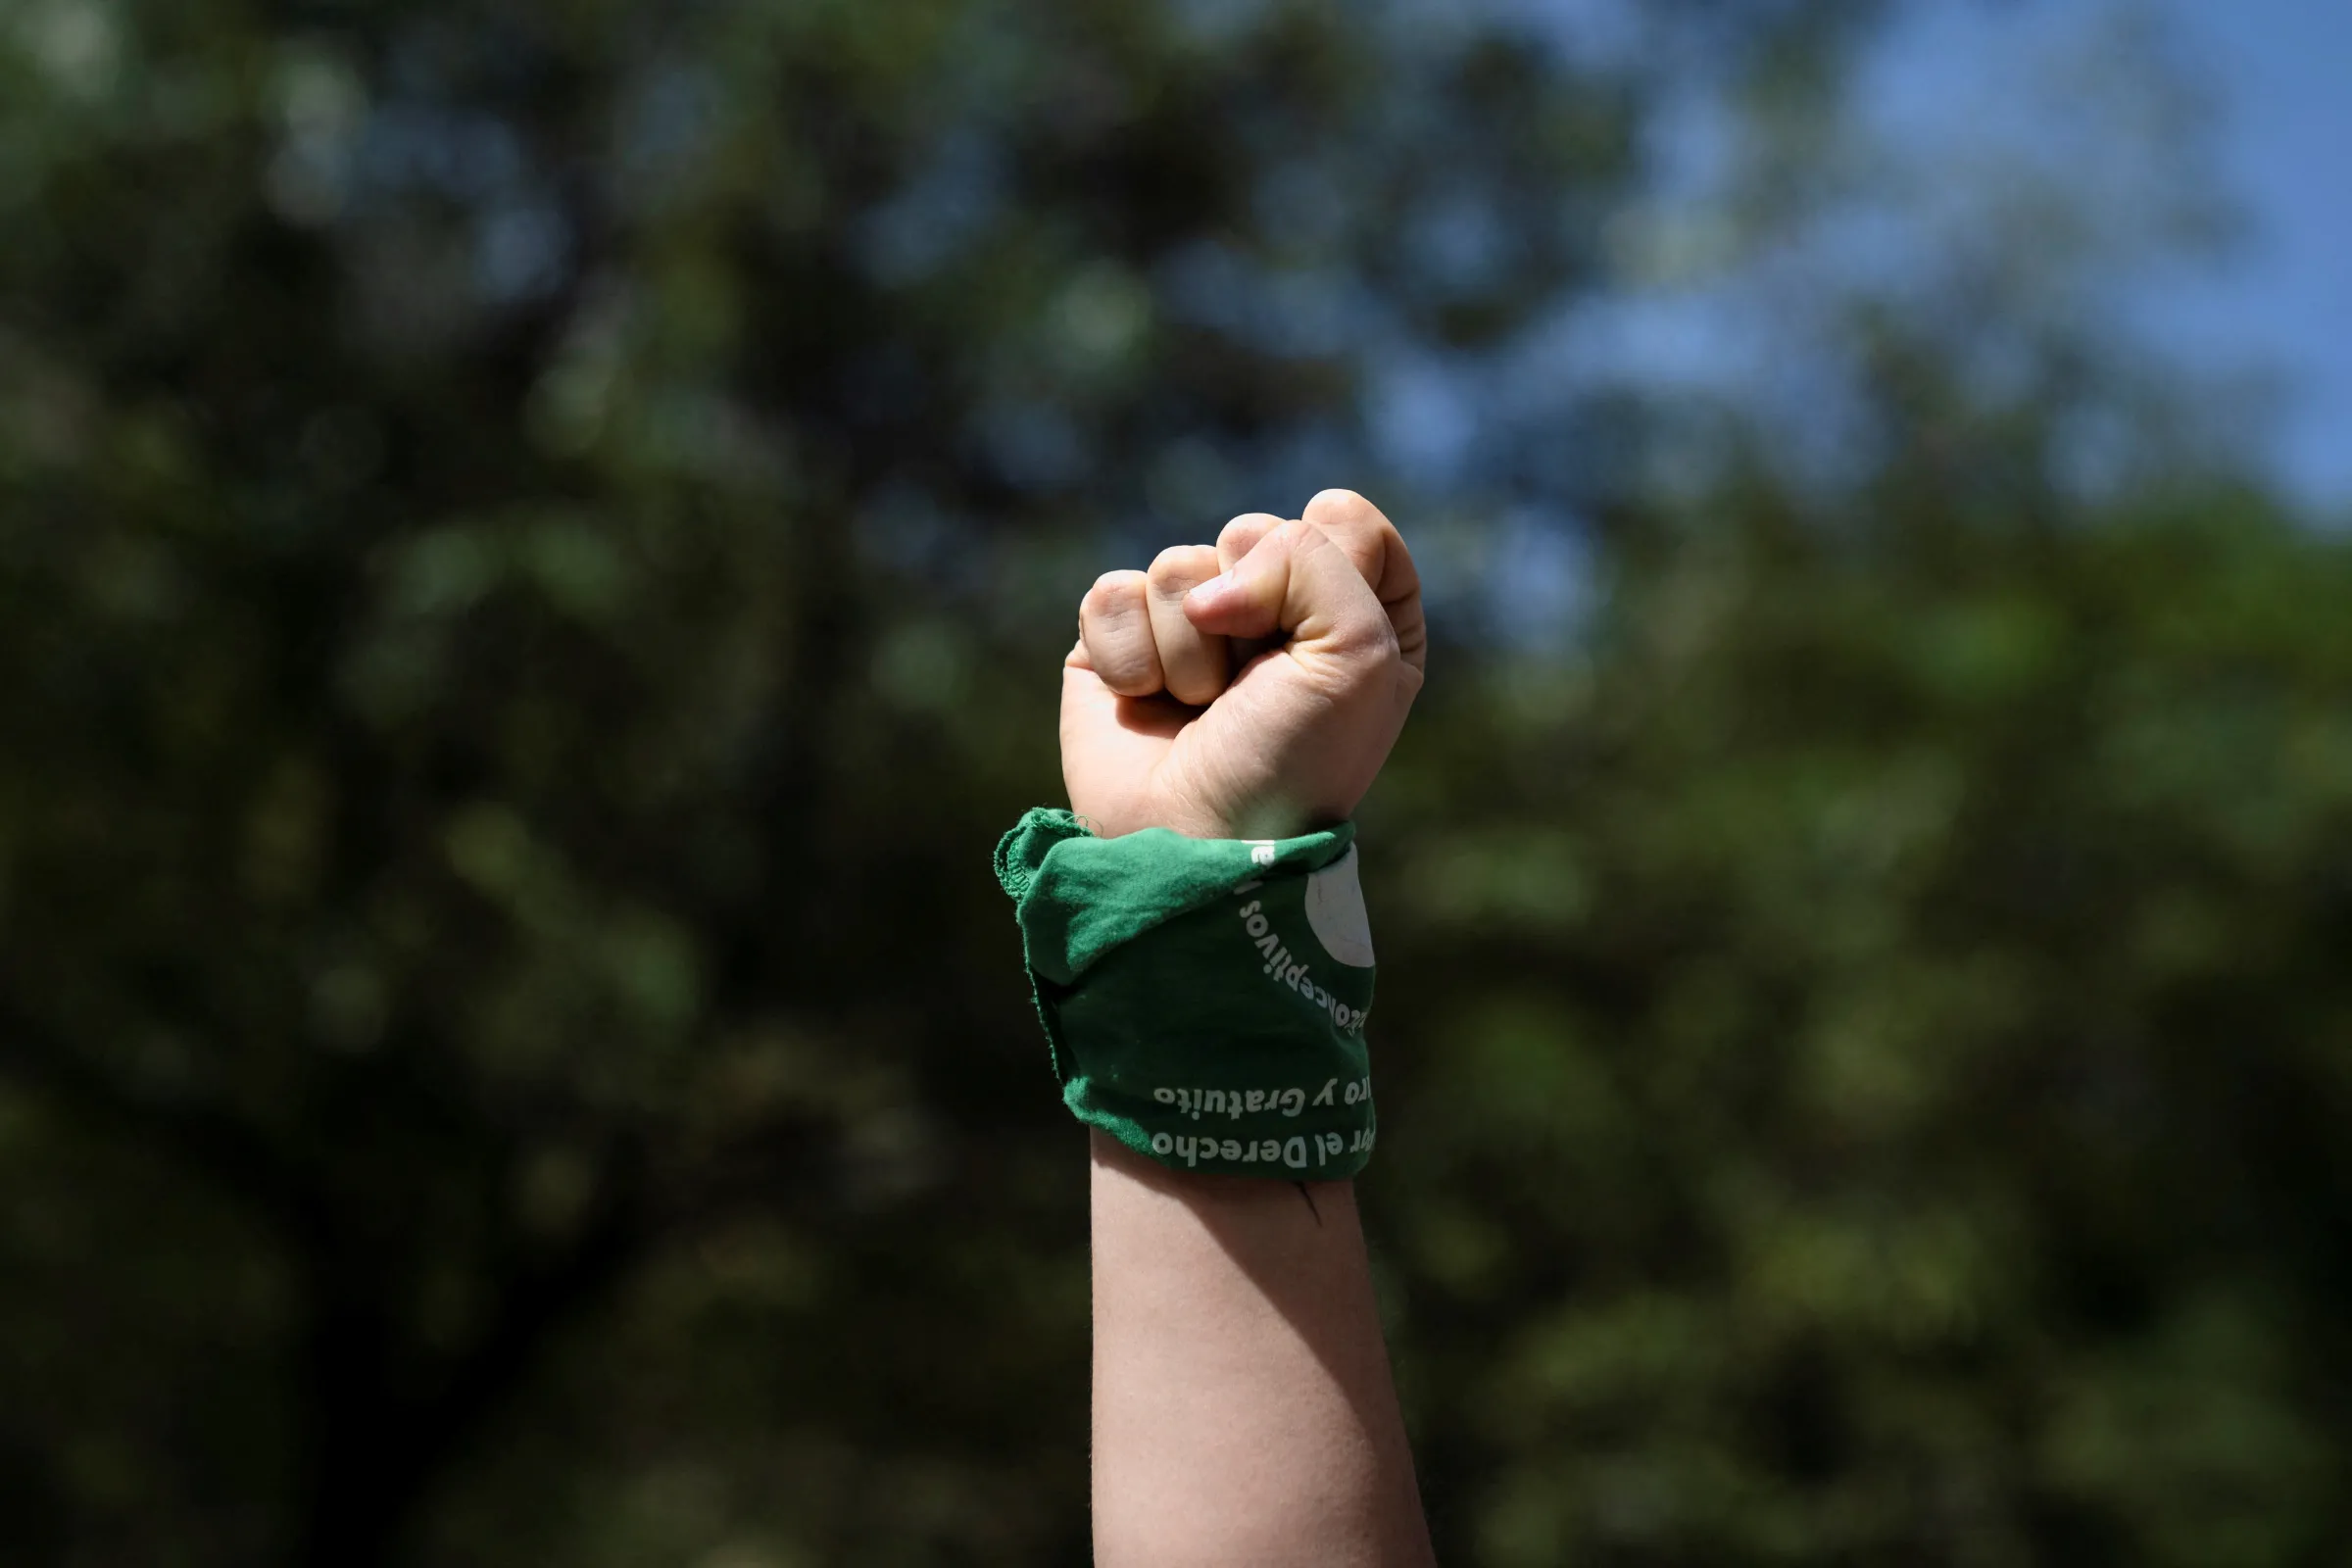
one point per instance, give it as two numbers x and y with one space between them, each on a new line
1243 1409
1299 734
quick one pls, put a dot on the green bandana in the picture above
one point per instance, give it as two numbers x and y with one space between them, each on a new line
1205 998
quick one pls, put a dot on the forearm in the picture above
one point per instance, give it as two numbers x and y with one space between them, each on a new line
1243 1412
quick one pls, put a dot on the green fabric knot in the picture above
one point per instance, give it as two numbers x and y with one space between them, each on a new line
1205 999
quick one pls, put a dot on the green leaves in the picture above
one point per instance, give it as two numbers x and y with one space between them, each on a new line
535 542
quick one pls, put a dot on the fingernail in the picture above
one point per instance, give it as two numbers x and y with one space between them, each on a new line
1207 594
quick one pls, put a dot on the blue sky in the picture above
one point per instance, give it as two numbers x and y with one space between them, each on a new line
1983 110
2282 73
2266 126
2181 165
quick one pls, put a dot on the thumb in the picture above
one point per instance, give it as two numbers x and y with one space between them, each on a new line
1298 584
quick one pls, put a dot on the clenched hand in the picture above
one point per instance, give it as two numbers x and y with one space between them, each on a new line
1323 614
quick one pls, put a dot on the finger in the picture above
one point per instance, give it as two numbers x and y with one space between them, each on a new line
1298 581
1372 542
1235 541
1241 536
1114 622
1191 661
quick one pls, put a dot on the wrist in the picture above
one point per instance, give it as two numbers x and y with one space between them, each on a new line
1116 818
1251 824
1204 999
1208 1190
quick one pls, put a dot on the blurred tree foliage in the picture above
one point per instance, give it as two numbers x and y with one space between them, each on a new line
533 540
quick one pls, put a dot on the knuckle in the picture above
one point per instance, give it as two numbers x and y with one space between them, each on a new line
1343 508
1367 541
1180 564
1297 540
1112 589
1249 525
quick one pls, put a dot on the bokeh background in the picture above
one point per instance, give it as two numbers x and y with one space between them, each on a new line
535 537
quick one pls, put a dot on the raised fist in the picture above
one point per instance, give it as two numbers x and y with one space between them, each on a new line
1324 614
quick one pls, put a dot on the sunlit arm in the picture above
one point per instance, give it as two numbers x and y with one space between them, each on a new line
1244 1412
